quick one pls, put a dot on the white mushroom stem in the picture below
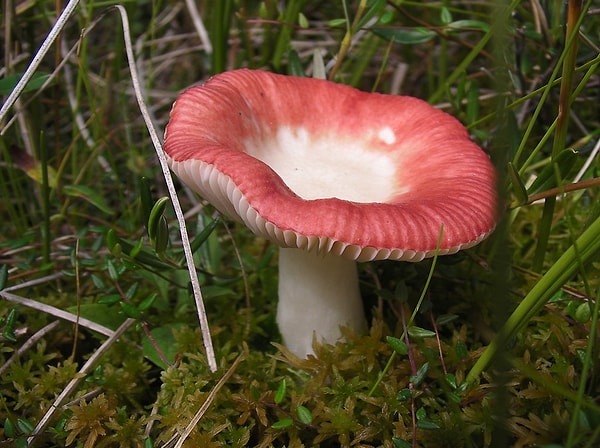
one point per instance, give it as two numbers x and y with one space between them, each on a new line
318 293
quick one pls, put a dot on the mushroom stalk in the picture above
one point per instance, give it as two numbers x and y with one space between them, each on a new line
318 293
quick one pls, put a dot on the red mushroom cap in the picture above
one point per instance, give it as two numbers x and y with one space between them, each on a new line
309 163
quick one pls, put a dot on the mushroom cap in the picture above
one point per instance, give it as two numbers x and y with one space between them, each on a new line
316 165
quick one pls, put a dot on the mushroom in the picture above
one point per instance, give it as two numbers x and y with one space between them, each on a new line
334 176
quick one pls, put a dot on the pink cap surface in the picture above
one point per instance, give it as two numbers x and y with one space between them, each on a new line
313 164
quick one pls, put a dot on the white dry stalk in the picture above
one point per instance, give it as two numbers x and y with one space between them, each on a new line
56 29
199 25
18 89
57 312
588 162
34 282
319 71
45 84
189 256
398 78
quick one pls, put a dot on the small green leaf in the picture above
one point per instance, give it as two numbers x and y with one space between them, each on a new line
461 350
294 64
112 270
3 276
406 36
263 12
420 376
423 422
445 16
111 239
161 242
88 194
304 415
130 310
118 246
25 426
572 308
398 345
60 424
98 282
204 234
135 250
109 299
9 428
377 7
427 424
473 102
8 83
451 380
280 394
132 290
302 21
418 332
454 397
336 23
519 189
101 313
444 319
147 302
156 214
386 18
9 323
96 375
464 25
281 424
404 395
399 443
583 313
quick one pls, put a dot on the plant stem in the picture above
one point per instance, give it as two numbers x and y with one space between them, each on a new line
562 122
283 39
220 35
347 40
564 268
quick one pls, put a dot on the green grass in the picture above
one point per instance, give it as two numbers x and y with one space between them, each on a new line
100 342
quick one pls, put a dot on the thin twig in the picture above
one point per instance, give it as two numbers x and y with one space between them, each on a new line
57 312
38 57
34 282
553 192
199 25
189 256
588 162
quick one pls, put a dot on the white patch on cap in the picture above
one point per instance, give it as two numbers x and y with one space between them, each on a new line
386 135
330 166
